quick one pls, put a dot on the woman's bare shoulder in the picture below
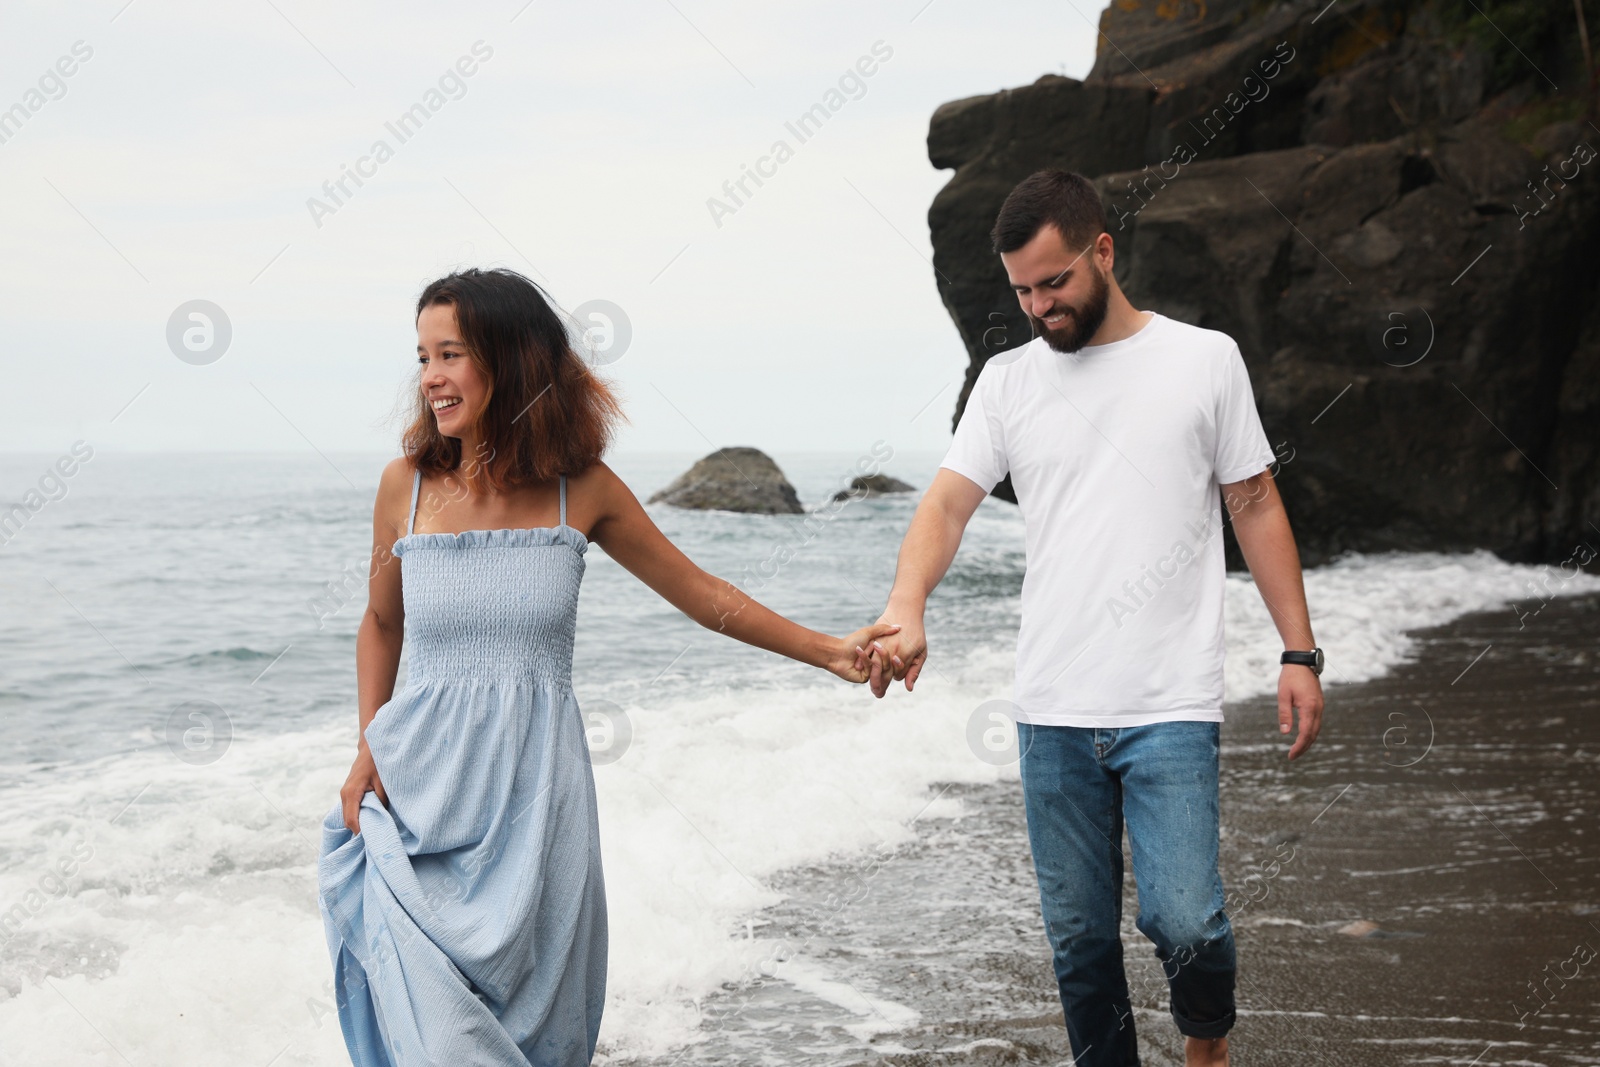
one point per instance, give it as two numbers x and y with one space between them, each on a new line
598 481
594 474
393 498
396 476
398 469
604 494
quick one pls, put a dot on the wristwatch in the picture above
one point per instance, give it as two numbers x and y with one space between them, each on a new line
1312 659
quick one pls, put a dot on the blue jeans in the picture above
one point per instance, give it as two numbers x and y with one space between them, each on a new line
1078 785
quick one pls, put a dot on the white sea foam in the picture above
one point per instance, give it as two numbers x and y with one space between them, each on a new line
187 925
1363 608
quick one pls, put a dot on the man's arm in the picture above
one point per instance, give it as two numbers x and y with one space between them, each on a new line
1262 527
925 554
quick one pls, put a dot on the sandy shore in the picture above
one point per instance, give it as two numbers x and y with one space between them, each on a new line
1420 889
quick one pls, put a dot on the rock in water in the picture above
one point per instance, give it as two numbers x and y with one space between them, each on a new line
733 479
872 485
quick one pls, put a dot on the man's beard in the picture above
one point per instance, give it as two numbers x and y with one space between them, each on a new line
1081 323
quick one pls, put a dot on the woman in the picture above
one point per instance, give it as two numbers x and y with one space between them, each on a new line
460 880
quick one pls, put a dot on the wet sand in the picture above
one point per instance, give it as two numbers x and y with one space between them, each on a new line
1419 889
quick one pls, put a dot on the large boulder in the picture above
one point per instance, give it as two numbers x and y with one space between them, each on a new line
1342 195
732 479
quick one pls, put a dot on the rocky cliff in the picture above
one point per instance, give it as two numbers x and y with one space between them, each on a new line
1403 239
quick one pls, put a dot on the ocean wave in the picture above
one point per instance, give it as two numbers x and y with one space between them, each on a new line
196 884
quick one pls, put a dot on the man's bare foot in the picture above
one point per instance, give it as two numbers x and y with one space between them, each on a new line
1205 1052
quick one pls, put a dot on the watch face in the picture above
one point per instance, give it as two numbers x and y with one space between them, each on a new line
1318 667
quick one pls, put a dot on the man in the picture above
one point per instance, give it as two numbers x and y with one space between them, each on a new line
1118 427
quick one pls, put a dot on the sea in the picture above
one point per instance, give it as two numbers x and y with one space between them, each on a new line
178 711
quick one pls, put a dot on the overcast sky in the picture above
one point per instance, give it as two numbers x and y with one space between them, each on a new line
177 161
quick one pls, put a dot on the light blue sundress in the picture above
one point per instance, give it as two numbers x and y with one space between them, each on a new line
467 921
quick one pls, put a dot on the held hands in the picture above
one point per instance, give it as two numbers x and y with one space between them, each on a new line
898 656
363 779
849 658
1299 687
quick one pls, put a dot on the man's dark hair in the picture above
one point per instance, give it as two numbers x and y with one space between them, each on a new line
1062 198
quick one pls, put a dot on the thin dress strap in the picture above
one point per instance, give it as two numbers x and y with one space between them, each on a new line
563 500
416 487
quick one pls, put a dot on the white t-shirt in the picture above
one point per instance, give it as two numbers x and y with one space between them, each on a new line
1116 453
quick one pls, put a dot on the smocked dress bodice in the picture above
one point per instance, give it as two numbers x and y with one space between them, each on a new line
492 603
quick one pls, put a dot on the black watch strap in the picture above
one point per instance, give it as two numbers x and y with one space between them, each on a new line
1312 659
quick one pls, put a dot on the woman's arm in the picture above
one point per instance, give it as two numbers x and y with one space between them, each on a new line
381 634
622 527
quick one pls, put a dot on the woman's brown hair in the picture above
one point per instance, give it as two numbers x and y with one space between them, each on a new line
547 412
